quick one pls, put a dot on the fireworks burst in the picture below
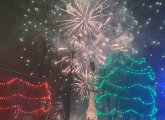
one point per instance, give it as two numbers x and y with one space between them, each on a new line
84 19
87 27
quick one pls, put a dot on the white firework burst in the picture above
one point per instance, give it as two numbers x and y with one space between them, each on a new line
83 18
86 26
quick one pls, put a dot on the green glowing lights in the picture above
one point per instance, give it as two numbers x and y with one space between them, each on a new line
122 66
124 81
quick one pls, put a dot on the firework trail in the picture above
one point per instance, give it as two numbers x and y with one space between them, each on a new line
94 29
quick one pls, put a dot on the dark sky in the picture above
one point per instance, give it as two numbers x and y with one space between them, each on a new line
11 18
11 12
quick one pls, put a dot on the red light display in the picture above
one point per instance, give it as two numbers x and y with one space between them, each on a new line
35 97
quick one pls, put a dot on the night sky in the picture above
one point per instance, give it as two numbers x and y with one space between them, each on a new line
149 42
11 13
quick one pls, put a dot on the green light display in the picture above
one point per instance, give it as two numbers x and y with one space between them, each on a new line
125 89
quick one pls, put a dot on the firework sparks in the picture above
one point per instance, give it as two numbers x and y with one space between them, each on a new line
62 49
84 19
86 26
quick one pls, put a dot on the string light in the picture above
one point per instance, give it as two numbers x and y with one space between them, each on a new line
110 60
12 81
125 87
22 96
153 112
127 69
23 111
121 61
42 87
98 99
122 67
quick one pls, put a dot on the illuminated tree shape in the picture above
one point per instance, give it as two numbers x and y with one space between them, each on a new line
125 89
